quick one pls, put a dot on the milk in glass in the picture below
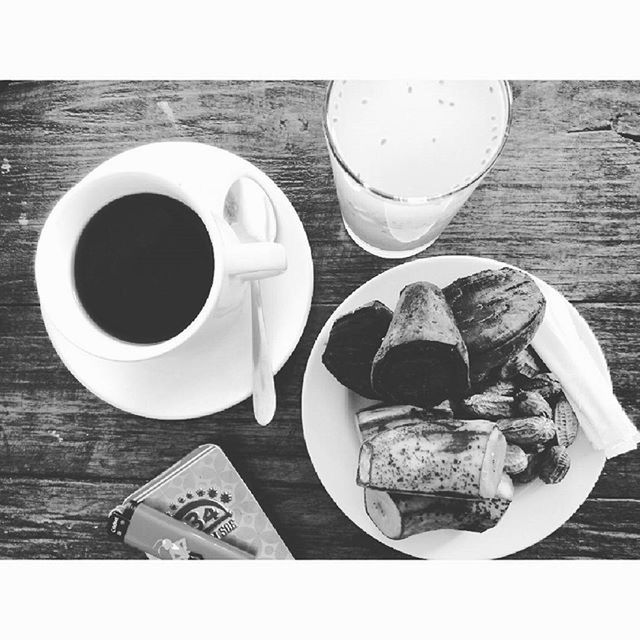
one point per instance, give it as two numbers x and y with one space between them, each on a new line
406 155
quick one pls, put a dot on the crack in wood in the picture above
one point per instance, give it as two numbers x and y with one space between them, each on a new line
590 129
627 125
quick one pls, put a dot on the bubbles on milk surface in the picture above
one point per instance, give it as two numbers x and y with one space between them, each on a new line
417 138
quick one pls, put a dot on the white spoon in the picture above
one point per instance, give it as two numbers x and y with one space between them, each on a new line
250 211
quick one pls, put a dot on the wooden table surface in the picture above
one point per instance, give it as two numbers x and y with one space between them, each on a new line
562 202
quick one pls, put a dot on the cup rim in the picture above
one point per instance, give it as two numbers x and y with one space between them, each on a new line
414 200
131 351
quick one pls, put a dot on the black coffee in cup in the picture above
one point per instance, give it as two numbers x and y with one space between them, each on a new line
144 267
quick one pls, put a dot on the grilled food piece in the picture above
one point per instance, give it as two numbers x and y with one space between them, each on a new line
382 417
566 422
429 458
500 387
422 359
399 516
531 403
531 470
487 406
531 433
516 460
525 363
546 384
498 312
353 342
554 465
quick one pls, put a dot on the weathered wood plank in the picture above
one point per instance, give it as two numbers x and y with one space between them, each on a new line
52 427
562 201
556 202
66 519
600 529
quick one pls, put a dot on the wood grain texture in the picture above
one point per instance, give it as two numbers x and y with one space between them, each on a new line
53 427
65 518
564 173
562 201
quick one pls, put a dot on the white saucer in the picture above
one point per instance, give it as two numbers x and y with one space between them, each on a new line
214 373
333 443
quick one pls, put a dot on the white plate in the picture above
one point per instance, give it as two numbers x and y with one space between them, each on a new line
214 374
332 440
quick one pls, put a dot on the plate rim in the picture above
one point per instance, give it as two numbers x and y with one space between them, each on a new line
314 356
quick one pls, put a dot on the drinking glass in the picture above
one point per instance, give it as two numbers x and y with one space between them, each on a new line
406 155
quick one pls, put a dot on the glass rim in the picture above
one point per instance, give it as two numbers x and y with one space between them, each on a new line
506 87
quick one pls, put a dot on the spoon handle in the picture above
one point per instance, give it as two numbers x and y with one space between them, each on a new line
264 392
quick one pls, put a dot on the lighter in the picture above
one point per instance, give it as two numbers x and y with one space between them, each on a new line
167 538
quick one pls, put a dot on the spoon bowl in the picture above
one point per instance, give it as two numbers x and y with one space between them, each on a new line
250 211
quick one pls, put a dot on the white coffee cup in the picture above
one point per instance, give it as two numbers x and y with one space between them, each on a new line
235 262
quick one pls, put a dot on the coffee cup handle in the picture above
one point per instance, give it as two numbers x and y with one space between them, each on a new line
256 260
